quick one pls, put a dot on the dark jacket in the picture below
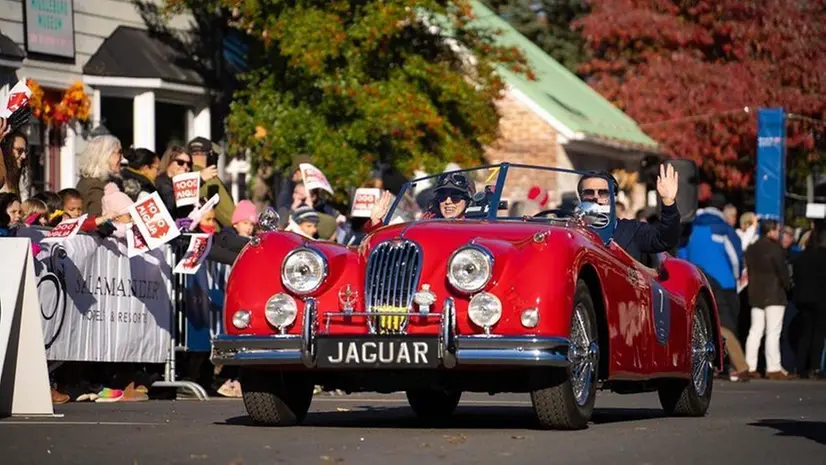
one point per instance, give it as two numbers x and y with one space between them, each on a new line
135 183
809 277
226 245
164 185
638 238
768 273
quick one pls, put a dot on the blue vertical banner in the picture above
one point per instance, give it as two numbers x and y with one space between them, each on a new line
770 179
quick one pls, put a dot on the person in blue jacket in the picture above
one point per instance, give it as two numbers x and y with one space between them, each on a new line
715 248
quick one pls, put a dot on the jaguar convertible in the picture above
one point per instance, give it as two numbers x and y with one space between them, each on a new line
473 296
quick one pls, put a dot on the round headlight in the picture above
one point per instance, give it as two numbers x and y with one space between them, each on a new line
280 310
303 271
469 270
484 309
241 319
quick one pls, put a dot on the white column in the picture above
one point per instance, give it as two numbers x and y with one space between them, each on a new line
202 123
143 121
68 160
96 116
190 125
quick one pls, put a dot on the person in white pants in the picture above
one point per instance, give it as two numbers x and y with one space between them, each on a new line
768 282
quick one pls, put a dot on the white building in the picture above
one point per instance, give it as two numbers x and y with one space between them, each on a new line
142 89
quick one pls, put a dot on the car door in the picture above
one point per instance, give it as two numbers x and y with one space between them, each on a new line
629 296
669 318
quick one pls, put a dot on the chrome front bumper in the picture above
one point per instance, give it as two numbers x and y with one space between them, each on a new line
480 350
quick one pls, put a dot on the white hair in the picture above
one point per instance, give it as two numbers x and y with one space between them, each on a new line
95 161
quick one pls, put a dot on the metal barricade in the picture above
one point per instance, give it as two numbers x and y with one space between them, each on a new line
176 289
197 305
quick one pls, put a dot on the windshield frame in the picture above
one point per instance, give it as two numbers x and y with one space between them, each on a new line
502 174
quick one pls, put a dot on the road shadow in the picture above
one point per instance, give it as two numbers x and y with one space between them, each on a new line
466 418
812 430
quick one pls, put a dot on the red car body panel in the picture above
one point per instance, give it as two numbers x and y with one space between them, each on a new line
536 264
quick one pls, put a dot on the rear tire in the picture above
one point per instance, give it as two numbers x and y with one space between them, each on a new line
563 398
692 397
275 398
433 404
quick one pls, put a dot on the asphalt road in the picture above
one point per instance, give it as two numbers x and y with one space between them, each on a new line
761 422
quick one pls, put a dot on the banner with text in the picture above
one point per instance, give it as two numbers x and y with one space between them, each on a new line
98 304
770 179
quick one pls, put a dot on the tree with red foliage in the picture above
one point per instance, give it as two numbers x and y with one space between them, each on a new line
687 71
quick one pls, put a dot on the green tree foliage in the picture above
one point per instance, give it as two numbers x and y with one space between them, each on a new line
547 23
356 82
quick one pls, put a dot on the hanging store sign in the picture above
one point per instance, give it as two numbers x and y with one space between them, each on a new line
50 27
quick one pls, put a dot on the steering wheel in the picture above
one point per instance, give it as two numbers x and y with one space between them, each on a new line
557 211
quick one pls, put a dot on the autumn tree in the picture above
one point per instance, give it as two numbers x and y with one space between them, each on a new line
410 83
687 71
547 23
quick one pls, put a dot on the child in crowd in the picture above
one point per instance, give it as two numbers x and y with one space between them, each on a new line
72 203
244 218
115 205
304 221
208 225
34 212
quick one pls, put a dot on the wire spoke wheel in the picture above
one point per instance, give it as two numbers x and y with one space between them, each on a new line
582 354
702 353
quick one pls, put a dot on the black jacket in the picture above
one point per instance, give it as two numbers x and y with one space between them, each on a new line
810 277
164 185
638 238
768 273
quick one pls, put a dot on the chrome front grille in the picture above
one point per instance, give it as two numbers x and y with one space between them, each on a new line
393 271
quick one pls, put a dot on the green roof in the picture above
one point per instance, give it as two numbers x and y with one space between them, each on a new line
560 92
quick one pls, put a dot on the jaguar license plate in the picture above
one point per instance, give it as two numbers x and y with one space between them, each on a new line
377 352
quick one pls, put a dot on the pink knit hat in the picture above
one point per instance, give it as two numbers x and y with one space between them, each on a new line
245 210
115 202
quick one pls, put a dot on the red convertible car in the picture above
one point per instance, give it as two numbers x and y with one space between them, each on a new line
473 296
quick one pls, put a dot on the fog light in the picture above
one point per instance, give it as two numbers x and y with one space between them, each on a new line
484 310
281 310
530 317
241 319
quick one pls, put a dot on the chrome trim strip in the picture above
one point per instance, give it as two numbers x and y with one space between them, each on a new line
256 350
513 342
512 350
511 357
227 342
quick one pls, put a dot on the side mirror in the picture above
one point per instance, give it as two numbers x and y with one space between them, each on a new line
268 220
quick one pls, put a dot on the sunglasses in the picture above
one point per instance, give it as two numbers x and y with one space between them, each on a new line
21 150
182 162
454 196
591 193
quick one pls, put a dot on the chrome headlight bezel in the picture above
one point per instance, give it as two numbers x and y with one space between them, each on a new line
488 259
324 270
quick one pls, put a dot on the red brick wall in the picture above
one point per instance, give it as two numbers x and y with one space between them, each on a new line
525 138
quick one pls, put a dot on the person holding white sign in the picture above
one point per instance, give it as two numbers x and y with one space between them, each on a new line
205 160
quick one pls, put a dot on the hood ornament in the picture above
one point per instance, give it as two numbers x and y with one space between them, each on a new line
347 298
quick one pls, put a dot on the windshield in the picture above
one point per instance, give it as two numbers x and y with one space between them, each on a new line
510 192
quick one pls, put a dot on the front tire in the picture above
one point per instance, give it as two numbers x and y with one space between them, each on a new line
275 398
432 404
691 398
564 397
